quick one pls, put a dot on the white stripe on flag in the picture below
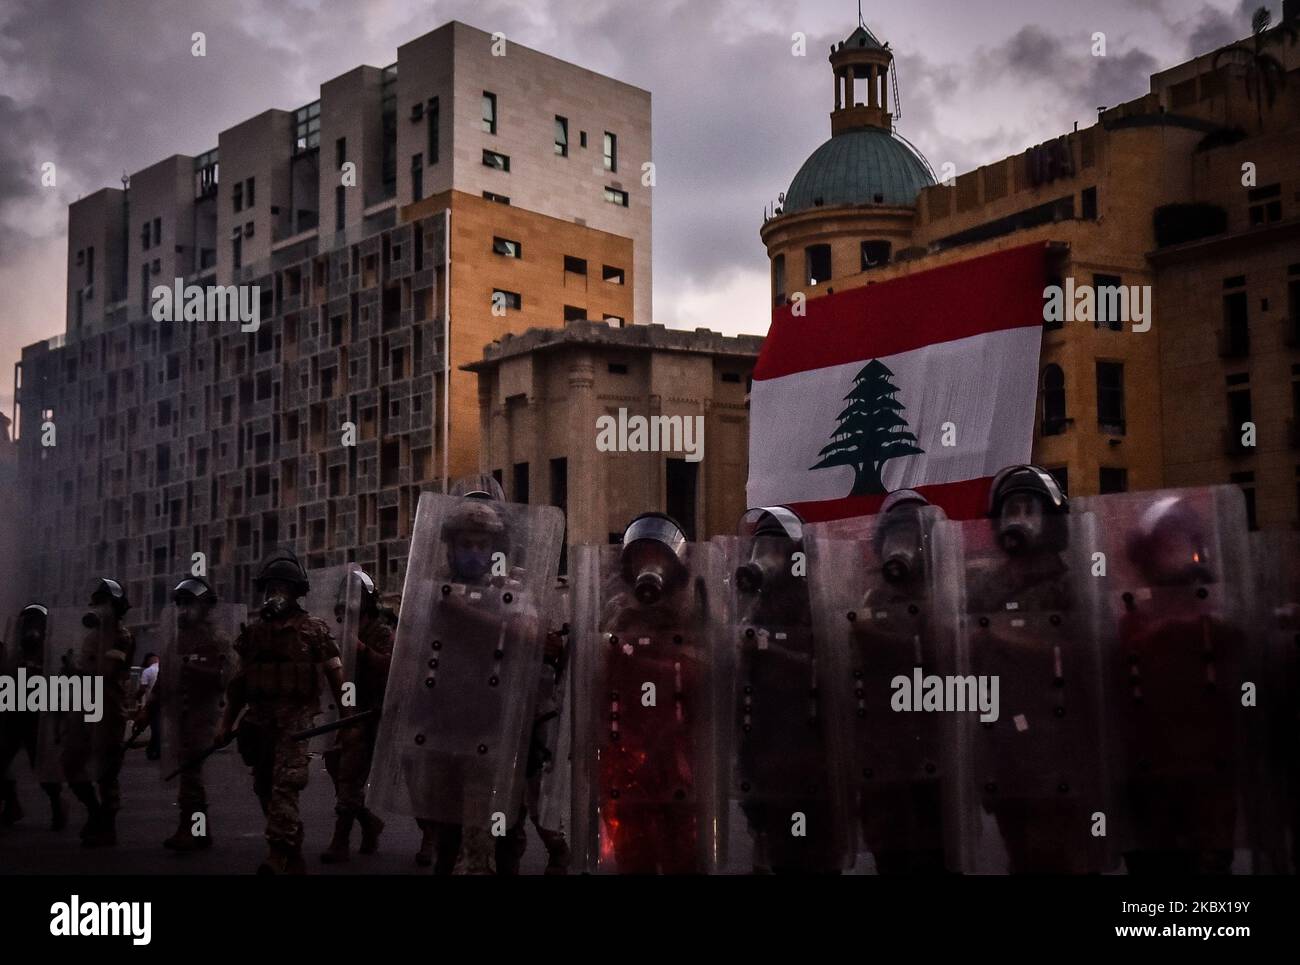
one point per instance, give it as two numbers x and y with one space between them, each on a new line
986 385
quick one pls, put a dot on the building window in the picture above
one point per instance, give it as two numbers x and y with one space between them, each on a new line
617 368
521 483
1053 400
582 139
1089 206
236 197
432 120
1234 340
508 248
306 129
498 198
250 191
1110 397
237 251
611 152
576 266
615 196
778 280
612 274
561 136
493 159
1246 480
417 177
574 314
1112 301
1265 204
157 231
875 254
1113 480
340 152
489 112
817 264
509 299
340 207
144 236
90 266
1239 413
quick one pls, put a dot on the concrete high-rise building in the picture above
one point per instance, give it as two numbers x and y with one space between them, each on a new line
1192 189
475 187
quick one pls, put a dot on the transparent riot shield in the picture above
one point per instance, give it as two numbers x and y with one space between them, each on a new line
648 785
462 689
1275 564
1179 599
335 598
779 727
1032 782
63 633
875 623
553 728
89 749
196 662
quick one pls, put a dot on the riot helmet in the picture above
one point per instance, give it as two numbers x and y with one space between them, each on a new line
472 533
768 537
653 557
193 597
107 596
479 485
282 581
898 537
1169 545
1028 510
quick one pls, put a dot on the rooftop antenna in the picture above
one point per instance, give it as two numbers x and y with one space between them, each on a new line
126 180
861 23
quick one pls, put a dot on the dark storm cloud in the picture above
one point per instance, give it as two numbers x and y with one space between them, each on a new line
1211 29
1035 56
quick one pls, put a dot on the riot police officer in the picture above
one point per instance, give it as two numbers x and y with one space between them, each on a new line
782 761
92 753
20 731
196 665
282 655
349 763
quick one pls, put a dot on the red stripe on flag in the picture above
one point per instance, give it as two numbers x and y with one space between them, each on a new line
966 499
986 294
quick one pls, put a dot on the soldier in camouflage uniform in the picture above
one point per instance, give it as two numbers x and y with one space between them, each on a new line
20 731
349 762
281 657
92 756
203 651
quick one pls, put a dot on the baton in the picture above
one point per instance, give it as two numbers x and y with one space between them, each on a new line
339 724
200 758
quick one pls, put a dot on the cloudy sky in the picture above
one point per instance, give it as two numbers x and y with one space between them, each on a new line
105 87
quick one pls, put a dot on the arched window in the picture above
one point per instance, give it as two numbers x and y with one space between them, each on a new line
778 280
1053 400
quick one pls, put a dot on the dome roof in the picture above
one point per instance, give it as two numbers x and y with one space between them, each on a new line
854 167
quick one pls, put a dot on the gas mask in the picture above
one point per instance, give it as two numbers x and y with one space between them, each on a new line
33 638
99 614
1020 525
188 616
277 604
651 572
471 557
768 567
900 552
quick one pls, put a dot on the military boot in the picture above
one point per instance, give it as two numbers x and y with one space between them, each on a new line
58 816
12 811
101 830
371 828
339 845
185 840
283 859
424 857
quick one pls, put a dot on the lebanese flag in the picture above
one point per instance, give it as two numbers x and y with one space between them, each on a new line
924 382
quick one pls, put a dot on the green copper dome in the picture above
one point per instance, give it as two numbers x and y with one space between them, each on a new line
864 166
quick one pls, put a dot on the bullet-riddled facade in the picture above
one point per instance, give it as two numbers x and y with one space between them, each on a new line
319 428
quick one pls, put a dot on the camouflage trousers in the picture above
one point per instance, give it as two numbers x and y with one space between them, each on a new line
348 764
279 767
